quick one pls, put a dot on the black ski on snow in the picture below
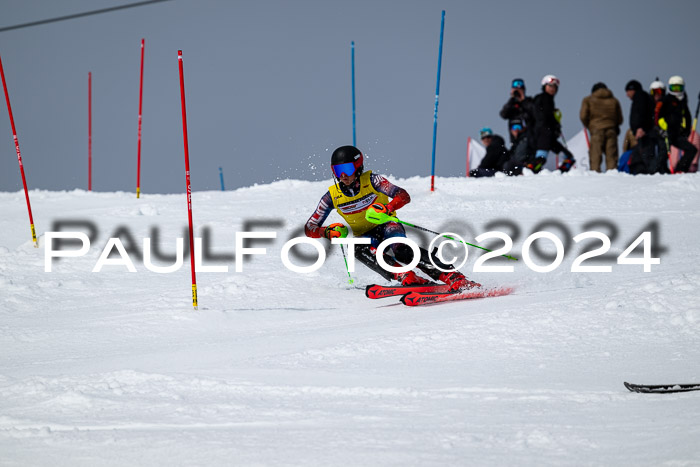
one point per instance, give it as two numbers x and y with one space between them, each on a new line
382 291
662 388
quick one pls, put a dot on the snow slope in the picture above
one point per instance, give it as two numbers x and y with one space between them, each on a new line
280 368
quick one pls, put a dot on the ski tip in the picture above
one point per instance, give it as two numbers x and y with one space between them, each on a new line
662 388
417 298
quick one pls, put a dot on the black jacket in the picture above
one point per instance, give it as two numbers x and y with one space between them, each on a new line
496 154
642 112
547 128
675 111
524 110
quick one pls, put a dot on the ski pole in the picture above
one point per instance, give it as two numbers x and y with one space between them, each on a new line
566 146
695 121
668 152
350 279
382 218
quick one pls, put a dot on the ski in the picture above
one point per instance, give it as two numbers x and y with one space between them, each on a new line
416 299
381 291
662 388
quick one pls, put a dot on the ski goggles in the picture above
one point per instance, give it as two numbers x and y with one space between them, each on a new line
517 126
657 92
518 83
552 81
676 87
348 169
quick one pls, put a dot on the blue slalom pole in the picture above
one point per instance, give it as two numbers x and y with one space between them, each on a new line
221 176
354 137
437 97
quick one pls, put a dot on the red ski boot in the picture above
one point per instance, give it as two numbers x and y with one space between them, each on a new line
457 281
410 278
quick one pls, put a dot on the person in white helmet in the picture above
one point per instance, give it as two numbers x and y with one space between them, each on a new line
547 127
676 120
657 89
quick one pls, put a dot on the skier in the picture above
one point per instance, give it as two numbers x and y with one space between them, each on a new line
355 191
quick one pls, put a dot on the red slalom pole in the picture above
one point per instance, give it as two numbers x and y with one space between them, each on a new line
138 166
187 178
89 131
19 156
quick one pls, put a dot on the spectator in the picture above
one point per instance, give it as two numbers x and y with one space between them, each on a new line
519 106
601 114
676 120
641 111
547 128
630 141
657 89
628 145
519 150
650 153
496 154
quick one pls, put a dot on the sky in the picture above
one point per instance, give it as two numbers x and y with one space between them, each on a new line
268 82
